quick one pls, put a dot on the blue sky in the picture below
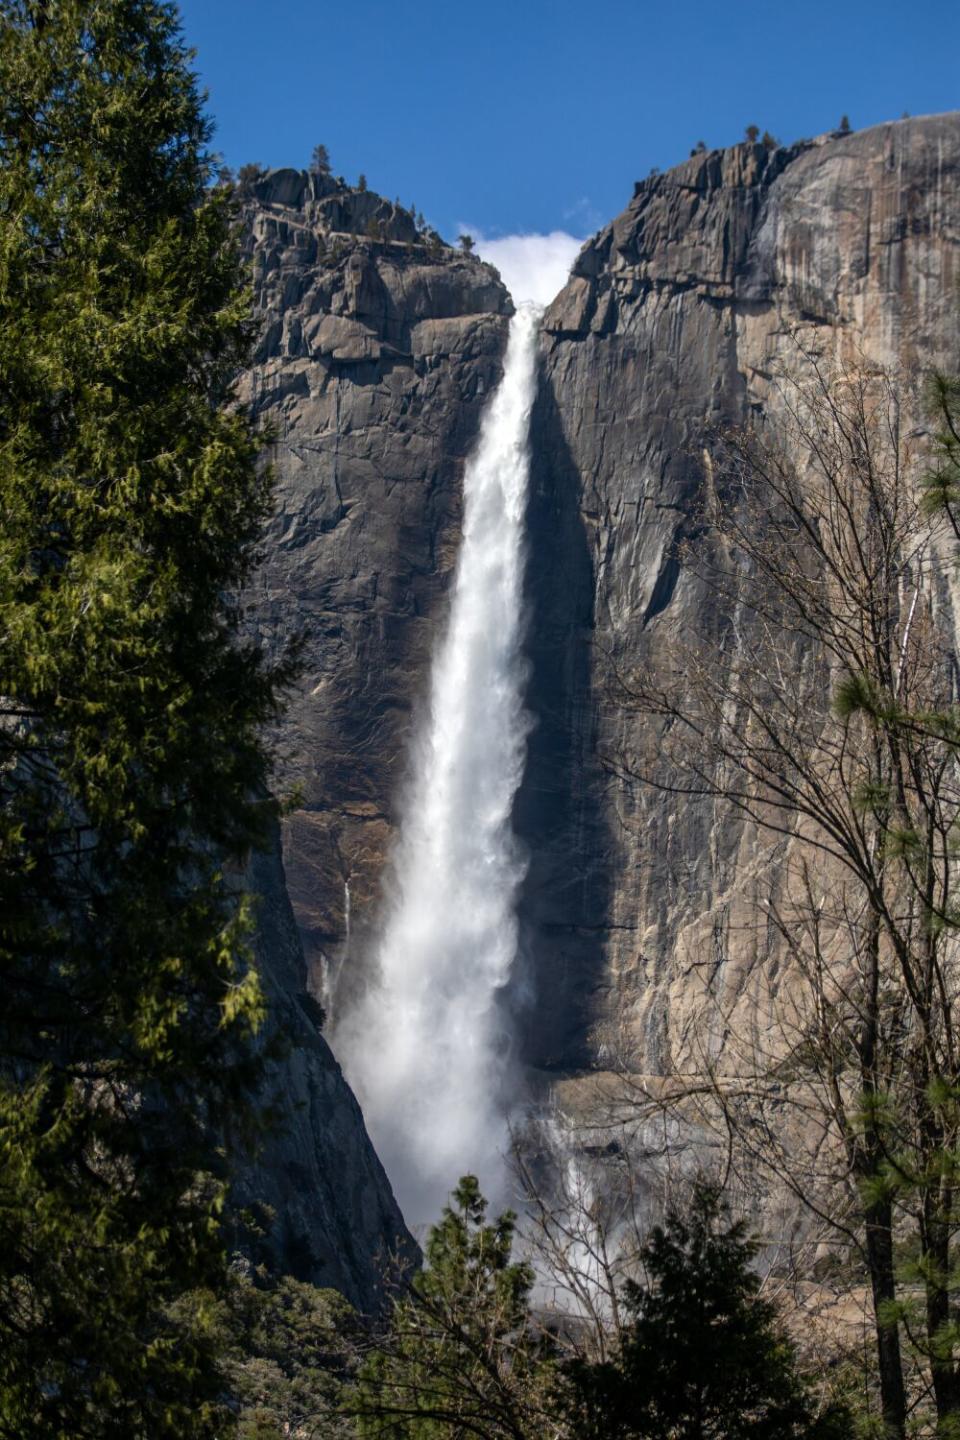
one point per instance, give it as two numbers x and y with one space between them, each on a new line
516 116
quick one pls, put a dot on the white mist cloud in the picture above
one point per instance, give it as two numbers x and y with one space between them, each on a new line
533 267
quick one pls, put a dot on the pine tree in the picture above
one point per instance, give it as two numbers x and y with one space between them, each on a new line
320 160
703 1357
290 1349
463 1355
131 767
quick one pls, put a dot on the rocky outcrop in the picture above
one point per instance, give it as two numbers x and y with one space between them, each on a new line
379 346
315 1189
674 319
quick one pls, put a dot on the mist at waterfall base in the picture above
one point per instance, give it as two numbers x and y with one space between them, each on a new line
425 1045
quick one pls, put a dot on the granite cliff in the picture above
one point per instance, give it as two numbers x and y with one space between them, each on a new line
379 347
674 319
315 1188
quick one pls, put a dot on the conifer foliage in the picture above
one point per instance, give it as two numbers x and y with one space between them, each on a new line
463 1355
130 714
704 1356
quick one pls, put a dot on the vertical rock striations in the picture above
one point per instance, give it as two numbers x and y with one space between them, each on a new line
673 320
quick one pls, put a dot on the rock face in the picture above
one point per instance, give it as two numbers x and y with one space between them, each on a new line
379 346
378 352
327 1209
672 323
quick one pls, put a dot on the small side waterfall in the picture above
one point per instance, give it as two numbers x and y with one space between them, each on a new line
425 1047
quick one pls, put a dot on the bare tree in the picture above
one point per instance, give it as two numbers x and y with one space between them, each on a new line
583 1230
824 714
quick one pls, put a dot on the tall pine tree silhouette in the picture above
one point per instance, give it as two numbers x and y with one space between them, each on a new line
130 753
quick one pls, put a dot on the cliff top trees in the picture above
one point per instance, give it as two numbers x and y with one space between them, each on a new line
249 174
130 760
320 160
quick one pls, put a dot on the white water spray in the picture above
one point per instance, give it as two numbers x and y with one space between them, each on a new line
425 1047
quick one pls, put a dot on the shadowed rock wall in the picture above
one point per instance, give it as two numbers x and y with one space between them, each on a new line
316 1186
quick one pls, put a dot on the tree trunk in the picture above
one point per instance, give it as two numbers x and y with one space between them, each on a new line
935 1247
879 1247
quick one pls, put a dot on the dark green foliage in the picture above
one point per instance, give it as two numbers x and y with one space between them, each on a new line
752 133
249 174
467 243
941 482
130 757
462 1355
844 125
320 160
703 1355
289 1350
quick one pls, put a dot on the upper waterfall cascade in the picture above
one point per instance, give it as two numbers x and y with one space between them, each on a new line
426 1046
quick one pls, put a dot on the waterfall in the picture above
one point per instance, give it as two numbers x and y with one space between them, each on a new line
425 1047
